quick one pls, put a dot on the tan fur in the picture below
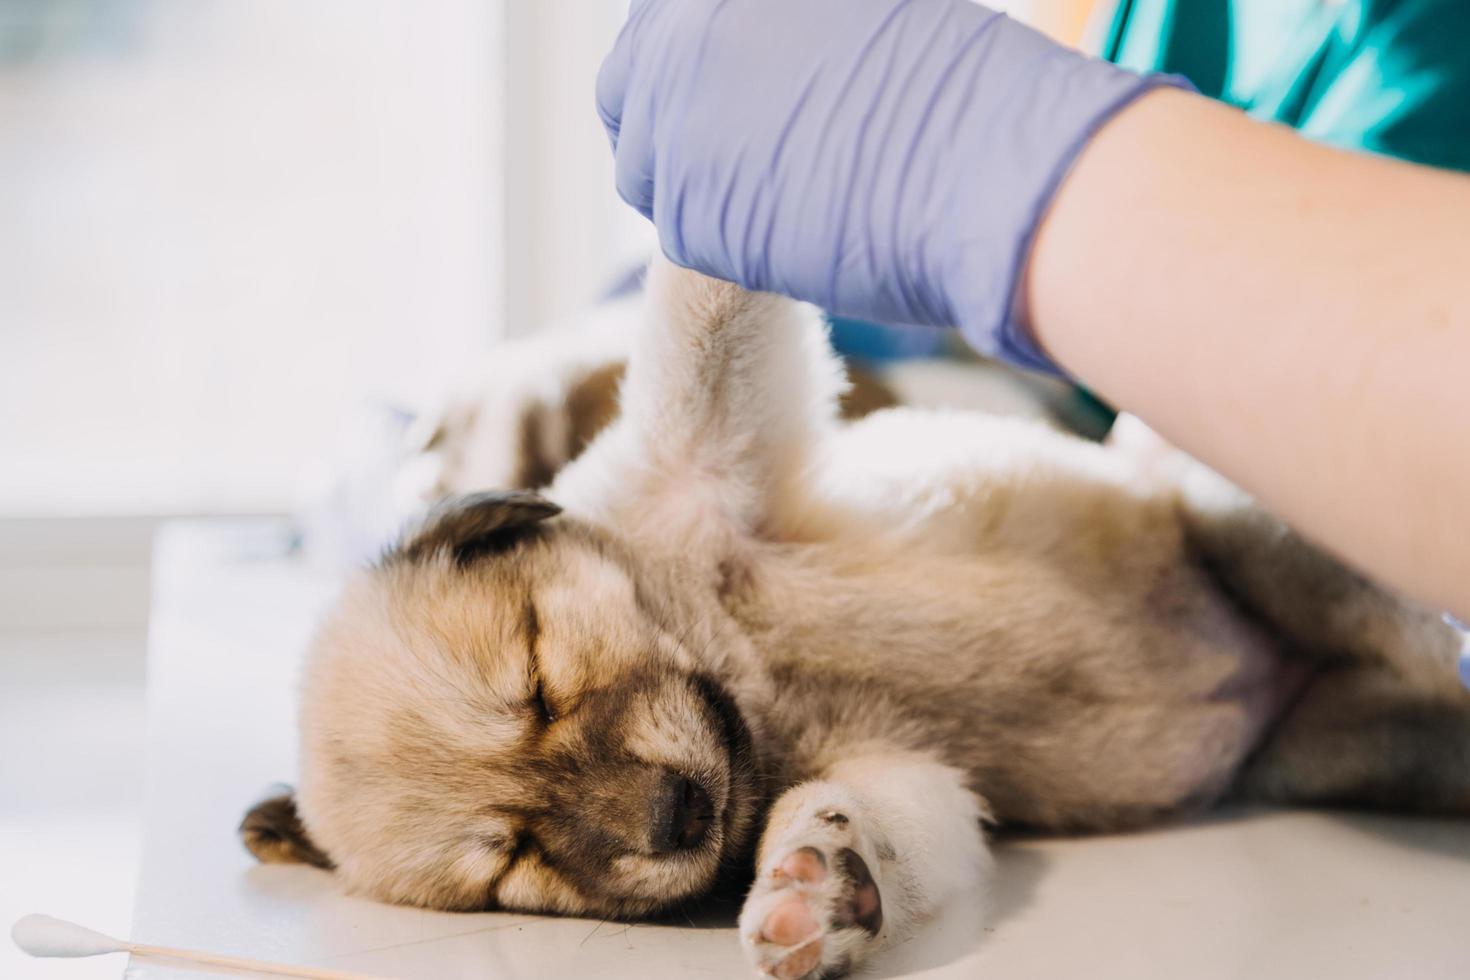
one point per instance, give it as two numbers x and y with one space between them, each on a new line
869 637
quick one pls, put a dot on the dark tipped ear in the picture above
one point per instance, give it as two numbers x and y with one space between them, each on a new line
478 524
273 832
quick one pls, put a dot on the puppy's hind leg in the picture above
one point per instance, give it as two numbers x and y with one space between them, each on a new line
851 862
1363 736
1324 609
728 393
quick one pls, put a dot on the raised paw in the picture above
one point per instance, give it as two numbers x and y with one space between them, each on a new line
814 910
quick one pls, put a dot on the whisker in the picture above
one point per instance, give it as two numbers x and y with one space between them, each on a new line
600 923
815 937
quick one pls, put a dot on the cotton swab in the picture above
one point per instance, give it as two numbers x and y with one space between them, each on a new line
44 936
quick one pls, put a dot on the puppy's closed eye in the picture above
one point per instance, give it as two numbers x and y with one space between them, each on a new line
540 703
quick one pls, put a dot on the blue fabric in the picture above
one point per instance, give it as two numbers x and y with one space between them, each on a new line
1464 647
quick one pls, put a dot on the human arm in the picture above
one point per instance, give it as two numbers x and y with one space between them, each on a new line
1294 316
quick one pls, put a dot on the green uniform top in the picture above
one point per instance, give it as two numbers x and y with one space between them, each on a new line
1388 76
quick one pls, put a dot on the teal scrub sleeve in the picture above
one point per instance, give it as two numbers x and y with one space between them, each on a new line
1404 88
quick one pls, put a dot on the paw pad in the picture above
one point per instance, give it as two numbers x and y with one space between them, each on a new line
814 904
805 864
789 923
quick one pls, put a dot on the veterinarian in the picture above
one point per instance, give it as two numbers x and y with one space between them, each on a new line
1294 314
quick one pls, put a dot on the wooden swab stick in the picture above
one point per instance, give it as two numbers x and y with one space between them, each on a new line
42 935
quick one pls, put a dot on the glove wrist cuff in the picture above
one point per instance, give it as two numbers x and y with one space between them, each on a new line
987 270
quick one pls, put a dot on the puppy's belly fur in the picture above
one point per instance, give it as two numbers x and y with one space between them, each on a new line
1099 683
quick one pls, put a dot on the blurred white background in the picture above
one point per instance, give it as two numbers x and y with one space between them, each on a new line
225 226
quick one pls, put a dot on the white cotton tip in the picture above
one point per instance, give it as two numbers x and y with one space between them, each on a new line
43 935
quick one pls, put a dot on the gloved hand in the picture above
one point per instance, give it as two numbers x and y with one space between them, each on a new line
885 159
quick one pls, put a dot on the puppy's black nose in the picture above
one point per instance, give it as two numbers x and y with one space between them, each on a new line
681 815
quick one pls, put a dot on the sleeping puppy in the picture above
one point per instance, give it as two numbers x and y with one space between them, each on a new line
735 637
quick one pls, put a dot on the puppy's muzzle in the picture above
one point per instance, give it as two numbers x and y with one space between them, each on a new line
681 815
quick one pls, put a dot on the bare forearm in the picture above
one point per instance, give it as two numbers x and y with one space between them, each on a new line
1297 317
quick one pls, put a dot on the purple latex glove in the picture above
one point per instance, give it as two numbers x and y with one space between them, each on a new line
886 159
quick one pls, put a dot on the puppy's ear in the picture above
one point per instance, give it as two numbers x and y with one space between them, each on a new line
471 526
273 832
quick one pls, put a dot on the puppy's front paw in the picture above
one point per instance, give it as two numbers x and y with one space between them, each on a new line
816 907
